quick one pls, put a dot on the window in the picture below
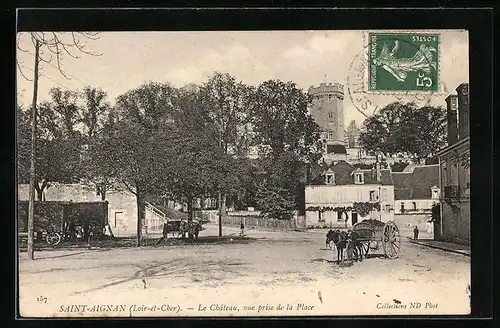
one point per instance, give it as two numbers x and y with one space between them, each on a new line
330 96
331 117
387 208
372 195
454 175
119 219
435 193
384 194
414 206
359 178
340 217
402 207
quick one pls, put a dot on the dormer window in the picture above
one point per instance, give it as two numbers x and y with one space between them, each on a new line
330 178
359 178
434 192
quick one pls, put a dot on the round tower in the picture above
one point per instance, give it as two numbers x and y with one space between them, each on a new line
327 109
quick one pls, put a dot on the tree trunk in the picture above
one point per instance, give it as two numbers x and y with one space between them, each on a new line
190 216
31 204
39 193
220 213
139 216
40 189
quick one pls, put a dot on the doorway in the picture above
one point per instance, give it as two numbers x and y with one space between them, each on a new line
354 218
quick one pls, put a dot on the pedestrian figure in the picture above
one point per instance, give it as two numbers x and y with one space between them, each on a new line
242 227
415 233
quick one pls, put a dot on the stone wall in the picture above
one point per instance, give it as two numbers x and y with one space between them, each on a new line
298 223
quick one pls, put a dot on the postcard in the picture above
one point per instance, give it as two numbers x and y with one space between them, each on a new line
243 173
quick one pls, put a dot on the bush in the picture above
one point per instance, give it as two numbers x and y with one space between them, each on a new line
276 203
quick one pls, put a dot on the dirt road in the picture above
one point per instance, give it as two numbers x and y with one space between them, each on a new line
280 273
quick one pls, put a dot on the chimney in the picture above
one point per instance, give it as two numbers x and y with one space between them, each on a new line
378 173
463 110
451 118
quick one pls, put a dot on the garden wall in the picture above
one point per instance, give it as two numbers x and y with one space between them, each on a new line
254 221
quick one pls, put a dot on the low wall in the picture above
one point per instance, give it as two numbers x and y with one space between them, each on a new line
264 223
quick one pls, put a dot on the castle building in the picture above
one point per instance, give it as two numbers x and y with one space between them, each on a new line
327 110
352 135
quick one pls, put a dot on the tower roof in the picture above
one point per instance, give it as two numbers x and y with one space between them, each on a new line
352 129
327 88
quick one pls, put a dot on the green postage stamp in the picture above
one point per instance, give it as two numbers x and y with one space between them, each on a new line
403 61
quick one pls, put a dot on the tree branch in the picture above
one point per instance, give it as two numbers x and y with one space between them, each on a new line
21 71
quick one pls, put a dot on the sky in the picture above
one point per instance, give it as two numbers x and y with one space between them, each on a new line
129 59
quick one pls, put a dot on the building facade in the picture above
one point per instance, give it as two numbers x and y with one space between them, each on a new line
334 203
416 190
454 171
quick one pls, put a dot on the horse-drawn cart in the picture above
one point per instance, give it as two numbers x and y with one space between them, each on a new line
387 233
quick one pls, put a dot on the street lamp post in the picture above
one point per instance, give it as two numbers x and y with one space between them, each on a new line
220 196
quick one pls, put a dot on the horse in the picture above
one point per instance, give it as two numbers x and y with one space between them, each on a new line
339 238
191 228
354 245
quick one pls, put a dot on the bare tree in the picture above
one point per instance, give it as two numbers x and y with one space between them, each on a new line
50 48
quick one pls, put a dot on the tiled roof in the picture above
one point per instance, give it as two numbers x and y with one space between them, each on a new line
386 177
424 178
402 180
369 177
416 184
402 193
344 174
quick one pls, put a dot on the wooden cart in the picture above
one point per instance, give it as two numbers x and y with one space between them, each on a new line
374 231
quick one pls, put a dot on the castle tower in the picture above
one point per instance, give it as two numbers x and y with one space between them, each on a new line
352 134
327 109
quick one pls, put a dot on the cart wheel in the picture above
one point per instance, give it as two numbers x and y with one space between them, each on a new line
53 238
391 240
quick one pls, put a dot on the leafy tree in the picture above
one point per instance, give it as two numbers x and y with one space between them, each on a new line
289 142
58 146
95 111
281 120
276 202
199 167
100 170
399 166
97 120
227 102
138 155
66 111
405 128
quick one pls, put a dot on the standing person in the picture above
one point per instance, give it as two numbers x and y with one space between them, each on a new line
242 228
86 229
415 233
